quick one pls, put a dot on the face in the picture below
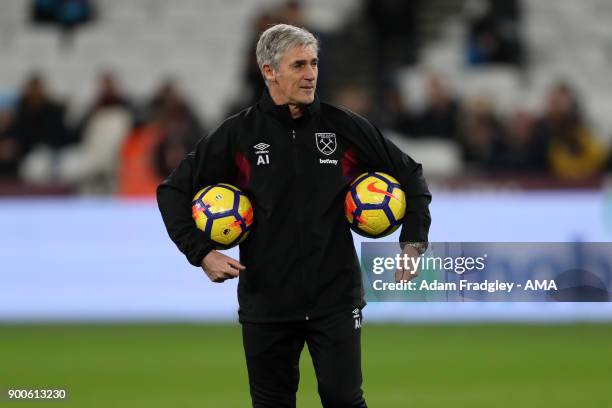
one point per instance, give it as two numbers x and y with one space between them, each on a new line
295 80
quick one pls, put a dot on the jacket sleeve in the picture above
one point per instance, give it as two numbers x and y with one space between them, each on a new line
210 163
377 153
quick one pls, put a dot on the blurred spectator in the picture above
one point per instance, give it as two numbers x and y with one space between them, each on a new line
523 152
137 172
37 131
170 106
291 13
168 132
8 147
393 114
102 130
255 84
108 95
355 98
66 14
179 125
494 32
39 119
576 154
44 11
481 135
394 24
441 114
574 151
109 92
562 102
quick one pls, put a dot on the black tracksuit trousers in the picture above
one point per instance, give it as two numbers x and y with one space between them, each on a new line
273 352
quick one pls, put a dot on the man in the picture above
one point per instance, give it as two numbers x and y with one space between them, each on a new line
299 274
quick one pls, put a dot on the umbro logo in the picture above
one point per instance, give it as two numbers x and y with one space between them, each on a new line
261 146
262 153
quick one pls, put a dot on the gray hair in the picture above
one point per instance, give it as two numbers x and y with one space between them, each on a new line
280 38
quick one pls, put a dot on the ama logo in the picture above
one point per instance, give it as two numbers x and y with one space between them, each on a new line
262 153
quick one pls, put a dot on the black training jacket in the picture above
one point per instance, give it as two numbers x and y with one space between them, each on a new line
299 256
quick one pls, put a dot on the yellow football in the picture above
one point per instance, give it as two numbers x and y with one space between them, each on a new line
224 212
375 204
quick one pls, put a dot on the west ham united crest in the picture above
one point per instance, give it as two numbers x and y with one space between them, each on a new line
326 142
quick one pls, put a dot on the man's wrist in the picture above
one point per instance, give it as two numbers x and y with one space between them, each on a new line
205 255
420 247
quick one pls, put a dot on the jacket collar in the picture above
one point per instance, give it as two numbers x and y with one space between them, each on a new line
282 113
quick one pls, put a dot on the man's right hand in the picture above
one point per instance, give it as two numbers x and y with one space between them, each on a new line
219 267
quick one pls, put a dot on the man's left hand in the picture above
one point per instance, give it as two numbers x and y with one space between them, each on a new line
408 273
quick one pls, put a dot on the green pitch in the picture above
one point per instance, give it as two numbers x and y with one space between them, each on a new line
404 366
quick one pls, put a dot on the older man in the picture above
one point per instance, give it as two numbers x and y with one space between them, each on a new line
299 276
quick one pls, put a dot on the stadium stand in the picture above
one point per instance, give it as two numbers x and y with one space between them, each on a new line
203 47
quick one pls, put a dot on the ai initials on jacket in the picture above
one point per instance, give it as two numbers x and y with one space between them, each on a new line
262 153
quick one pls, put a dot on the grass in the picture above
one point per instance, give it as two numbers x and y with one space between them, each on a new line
180 365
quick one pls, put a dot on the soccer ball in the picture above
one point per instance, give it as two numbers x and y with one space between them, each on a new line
224 213
375 204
